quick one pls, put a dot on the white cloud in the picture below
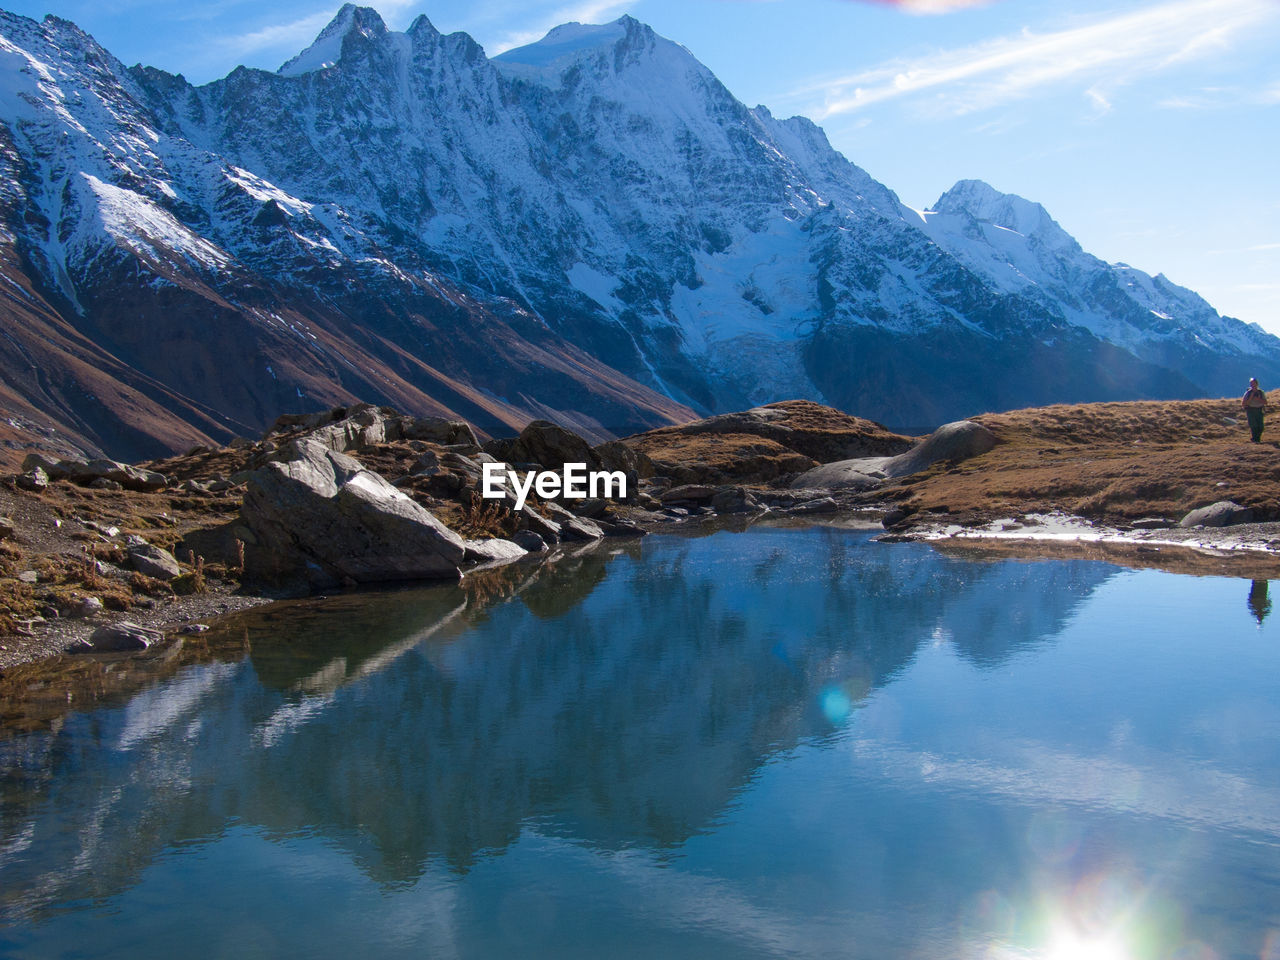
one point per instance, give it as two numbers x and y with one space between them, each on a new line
927 7
1100 56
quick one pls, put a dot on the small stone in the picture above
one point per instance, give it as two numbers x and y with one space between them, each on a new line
529 541
86 607
194 628
153 561
820 505
29 576
7 530
102 483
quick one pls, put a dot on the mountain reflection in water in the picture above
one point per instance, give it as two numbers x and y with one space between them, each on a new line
621 699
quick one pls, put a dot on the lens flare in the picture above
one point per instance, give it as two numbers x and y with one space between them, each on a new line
836 705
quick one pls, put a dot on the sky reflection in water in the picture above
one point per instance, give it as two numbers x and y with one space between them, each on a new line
774 744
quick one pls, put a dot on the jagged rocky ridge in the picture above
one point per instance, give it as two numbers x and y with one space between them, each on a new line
590 229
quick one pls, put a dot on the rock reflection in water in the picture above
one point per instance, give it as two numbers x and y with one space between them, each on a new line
621 697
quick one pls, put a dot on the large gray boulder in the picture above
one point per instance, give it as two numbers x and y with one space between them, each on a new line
952 442
127 476
861 474
317 516
546 444
1224 513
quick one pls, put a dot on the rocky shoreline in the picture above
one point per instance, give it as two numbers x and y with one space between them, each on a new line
97 556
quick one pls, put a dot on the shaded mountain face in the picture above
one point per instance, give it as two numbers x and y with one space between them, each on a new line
589 229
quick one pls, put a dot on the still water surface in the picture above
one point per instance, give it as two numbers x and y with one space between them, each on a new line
783 743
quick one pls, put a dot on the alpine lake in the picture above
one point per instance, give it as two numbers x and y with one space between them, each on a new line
784 742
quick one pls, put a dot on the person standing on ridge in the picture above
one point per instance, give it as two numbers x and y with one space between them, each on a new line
1253 403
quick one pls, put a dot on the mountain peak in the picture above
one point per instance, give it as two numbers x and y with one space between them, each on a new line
566 42
327 48
986 204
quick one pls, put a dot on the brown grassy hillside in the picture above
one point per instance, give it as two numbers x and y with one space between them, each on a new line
1114 461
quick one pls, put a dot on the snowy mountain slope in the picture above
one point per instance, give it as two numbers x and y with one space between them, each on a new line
590 227
210 280
1018 247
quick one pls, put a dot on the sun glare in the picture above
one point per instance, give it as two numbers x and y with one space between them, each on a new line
1070 946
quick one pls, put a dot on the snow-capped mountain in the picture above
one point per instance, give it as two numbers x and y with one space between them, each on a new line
589 228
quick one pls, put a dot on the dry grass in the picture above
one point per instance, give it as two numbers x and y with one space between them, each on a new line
719 458
485 518
1110 461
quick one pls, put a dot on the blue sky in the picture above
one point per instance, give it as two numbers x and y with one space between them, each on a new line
1150 129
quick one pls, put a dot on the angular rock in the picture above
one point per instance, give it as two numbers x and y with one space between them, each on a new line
85 607
54 469
592 509
319 517
894 517
34 480
128 477
7 529
1224 513
571 527
530 541
689 493
821 505
426 465
548 445
153 561
1151 523
621 527
122 637
438 430
534 522
734 500
492 551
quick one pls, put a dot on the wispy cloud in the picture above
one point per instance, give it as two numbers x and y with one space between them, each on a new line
294 34
1098 56
1255 248
589 11
1210 98
929 7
